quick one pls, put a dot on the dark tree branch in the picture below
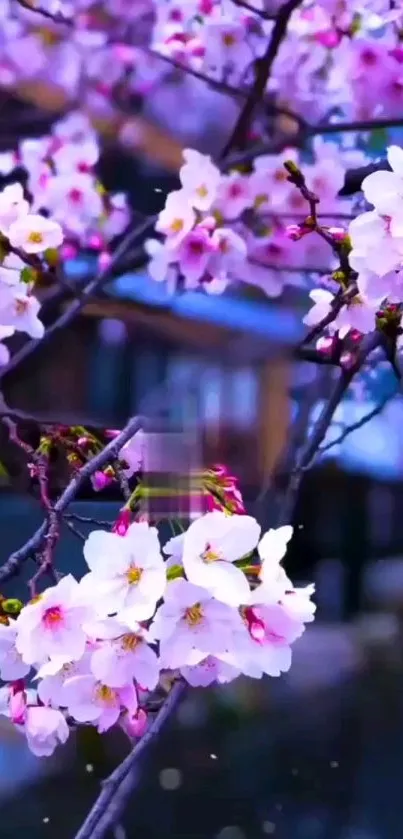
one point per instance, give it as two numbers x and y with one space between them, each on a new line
56 17
263 66
354 177
117 788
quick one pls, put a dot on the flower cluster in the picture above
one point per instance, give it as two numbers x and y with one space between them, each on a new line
341 58
212 603
64 185
220 228
337 57
377 236
27 241
375 256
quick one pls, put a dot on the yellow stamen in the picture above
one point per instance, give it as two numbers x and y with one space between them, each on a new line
134 575
130 642
228 40
177 225
35 237
105 694
194 614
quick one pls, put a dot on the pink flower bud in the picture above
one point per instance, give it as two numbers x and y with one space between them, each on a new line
68 251
325 345
206 7
347 359
338 233
96 241
100 480
294 232
355 336
83 442
329 39
111 433
18 706
104 260
122 523
136 725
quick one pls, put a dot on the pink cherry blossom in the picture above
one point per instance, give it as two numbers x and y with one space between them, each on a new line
191 625
13 206
53 624
123 655
194 254
212 669
90 701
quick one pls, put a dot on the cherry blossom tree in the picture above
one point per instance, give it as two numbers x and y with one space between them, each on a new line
272 202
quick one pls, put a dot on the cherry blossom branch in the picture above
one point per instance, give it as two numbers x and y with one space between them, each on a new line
76 306
355 125
87 520
369 344
56 17
263 69
117 788
226 88
306 131
96 463
359 424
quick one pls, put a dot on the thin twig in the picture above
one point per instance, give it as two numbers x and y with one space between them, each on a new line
87 520
117 788
56 17
74 529
369 343
358 424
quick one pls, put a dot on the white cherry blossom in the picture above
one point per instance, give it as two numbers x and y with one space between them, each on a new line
11 664
19 310
126 572
44 728
35 234
200 179
212 544
176 219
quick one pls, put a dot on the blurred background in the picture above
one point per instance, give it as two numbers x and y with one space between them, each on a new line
316 754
